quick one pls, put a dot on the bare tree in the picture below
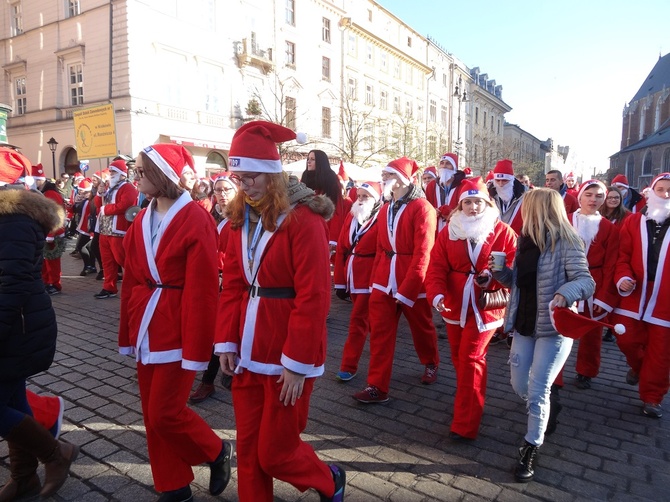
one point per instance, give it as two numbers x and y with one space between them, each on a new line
406 138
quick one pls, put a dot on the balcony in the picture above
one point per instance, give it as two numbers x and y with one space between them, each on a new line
248 53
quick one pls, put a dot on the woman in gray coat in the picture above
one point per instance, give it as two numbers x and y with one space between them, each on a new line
550 270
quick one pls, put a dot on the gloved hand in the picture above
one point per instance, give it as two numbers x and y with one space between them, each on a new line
342 294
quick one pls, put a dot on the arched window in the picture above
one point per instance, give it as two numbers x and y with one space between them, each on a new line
71 163
646 164
215 163
666 160
630 167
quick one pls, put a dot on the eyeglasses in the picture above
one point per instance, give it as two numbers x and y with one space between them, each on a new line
248 179
221 190
613 197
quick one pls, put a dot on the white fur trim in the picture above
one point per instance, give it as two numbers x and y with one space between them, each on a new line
162 164
503 176
450 160
393 170
248 164
619 329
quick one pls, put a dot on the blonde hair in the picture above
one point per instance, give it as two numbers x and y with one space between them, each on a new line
543 213
274 203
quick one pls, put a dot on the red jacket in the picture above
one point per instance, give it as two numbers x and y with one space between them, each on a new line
82 227
122 199
443 202
55 196
342 209
351 271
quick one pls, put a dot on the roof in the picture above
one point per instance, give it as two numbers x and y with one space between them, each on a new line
660 137
657 80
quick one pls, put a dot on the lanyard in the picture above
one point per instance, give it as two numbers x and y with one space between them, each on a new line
251 246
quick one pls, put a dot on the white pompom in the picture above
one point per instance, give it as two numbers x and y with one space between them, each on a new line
29 180
301 138
619 329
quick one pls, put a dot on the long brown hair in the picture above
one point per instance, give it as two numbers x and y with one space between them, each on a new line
274 203
543 213
164 187
617 214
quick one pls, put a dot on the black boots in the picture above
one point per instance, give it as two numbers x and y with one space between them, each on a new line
219 476
525 468
555 408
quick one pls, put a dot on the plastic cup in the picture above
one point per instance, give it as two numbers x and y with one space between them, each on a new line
499 259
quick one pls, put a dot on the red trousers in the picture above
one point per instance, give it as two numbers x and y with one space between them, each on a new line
111 254
647 350
176 436
359 327
384 316
268 440
45 408
51 273
468 354
588 353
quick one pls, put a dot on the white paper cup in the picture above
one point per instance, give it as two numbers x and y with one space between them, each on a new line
499 259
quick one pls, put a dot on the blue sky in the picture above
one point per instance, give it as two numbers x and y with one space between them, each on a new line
567 67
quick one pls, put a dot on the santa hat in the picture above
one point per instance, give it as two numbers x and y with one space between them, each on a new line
171 159
620 180
102 175
403 167
662 176
13 165
373 188
474 187
119 166
78 176
468 172
573 325
570 176
225 177
589 183
503 170
37 172
489 176
84 185
342 173
430 171
452 158
254 147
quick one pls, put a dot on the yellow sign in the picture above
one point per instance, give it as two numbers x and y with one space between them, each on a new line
95 132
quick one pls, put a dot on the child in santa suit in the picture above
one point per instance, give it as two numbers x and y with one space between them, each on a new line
642 276
167 322
354 257
271 322
443 192
457 273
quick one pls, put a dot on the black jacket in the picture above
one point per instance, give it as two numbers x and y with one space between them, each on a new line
27 319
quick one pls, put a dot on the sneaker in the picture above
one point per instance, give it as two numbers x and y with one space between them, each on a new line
345 376
55 428
583 382
371 394
457 438
652 410
100 276
104 294
632 378
51 290
340 479
429 374
203 391
609 336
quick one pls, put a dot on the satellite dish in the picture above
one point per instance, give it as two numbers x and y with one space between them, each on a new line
131 212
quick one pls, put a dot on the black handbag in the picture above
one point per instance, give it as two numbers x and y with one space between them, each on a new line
493 299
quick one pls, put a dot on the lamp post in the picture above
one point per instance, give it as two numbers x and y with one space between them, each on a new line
52 146
461 97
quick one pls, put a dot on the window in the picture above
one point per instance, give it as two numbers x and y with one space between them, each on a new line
432 112
444 113
20 96
290 12
484 123
325 29
370 15
383 100
630 167
476 116
498 127
419 113
16 18
352 44
76 84
444 80
491 123
370 136
432 146
325 122
396 104
646 164
409 109
369 95
383 61
396 68
290 54
212 80
409 41
369 53
73 8
290 113
351 88
325 68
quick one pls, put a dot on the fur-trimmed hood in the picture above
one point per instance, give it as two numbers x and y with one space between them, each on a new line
321 205
49 215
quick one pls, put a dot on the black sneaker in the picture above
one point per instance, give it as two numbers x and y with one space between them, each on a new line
51 290
104 294
100 276
583 382
340 479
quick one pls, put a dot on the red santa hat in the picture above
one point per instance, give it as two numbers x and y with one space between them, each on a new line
474 187
37 172
13 165
254 147
171 159
84 185
590 183
403 167
78 176
342 172
489 176
573 325
570 176
373 188
662 176
620 180
225 177
468 172
503 170
119 166
430 171
102 175
452 158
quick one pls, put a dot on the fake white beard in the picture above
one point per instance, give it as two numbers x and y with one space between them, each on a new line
658 208
114 180
388 188
587 226
475 228
505 192
362 210
446 175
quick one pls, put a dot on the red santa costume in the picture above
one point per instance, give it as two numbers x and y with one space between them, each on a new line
643 258
443 192
457 273
167 321
632 199
405 237
507 198
574 190
271 320
352 268
114 225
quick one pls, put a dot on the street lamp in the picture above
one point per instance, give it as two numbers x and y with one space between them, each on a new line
52 146
461 97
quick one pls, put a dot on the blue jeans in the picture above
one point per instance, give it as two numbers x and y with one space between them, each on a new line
534 365
13 405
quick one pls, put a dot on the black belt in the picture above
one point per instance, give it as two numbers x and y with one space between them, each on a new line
390 253
276 293
367 255
153 285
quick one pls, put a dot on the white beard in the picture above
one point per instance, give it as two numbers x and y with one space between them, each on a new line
474 228
445 176
505 192
362 210
388 189
587 226
658 208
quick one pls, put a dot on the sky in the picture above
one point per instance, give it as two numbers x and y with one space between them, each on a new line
567 67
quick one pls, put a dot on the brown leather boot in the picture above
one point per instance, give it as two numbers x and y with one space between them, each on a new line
23 480
56 456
